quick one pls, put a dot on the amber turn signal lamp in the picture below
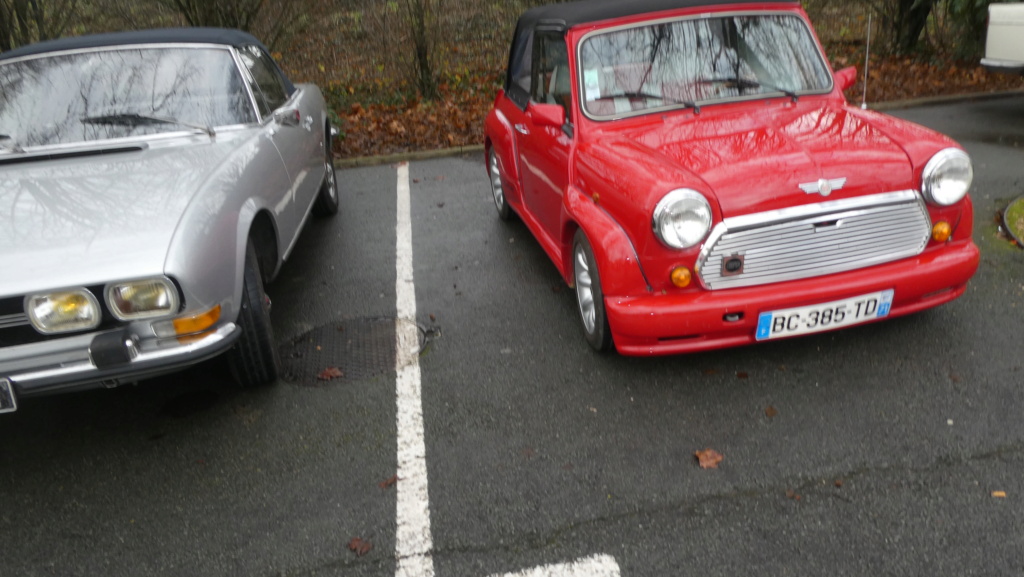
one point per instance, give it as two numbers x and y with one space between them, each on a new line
681 277
941 231
197 323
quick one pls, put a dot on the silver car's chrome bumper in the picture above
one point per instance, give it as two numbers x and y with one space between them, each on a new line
106 359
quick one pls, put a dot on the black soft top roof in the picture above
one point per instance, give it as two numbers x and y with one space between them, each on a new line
569 14
156 36
565 15
222 36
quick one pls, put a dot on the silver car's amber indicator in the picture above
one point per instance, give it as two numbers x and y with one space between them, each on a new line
63 311
142 299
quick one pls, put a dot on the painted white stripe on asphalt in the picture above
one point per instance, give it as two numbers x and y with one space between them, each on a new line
596 566
413 543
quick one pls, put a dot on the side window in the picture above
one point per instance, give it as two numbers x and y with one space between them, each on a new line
266 82
521 77
517 85
551 70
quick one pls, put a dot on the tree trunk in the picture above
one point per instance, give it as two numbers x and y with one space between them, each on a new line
425 80
911 18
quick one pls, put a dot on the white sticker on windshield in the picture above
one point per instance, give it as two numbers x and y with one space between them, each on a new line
592 83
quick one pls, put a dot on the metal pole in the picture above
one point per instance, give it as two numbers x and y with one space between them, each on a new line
867 55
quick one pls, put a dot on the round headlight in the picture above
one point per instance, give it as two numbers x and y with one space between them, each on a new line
63 311
142 299
682 218
947 177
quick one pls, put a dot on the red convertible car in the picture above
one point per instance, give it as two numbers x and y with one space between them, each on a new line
695 172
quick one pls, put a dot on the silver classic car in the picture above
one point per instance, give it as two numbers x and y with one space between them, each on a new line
150 184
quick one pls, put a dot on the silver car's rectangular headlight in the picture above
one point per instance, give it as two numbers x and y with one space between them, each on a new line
63 311
142 299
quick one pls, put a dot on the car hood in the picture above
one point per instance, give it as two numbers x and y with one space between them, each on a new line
92 219
757 162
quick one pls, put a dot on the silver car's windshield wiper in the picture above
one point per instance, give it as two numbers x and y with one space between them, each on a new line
135 119
7 144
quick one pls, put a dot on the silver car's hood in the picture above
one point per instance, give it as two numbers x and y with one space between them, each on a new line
97 218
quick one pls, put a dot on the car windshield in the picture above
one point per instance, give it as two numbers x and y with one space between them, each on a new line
103 94
699 61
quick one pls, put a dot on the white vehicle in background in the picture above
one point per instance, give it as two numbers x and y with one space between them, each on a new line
1004 42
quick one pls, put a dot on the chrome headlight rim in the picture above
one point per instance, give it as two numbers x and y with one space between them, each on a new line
936 174
677 203
170 291
89 322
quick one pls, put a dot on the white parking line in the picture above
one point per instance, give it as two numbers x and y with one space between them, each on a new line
413 542
596 566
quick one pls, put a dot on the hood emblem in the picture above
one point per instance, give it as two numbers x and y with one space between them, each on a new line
824 186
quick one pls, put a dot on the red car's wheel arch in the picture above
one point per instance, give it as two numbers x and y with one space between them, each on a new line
499 137
617 261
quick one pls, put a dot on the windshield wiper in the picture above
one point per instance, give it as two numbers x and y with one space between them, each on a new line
7 143
747 83
686 103
134 119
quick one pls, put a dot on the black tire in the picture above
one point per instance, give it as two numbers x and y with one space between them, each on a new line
589 296
326 203
498 186
254 359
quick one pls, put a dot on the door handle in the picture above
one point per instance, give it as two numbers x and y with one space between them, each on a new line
521 129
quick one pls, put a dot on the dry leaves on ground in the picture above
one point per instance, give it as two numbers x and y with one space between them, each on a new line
360 546
330 373
708 458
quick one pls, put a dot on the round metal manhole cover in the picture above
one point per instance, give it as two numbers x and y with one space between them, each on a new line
344 350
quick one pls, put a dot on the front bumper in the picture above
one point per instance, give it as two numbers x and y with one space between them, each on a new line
1002 66
95 360
656 324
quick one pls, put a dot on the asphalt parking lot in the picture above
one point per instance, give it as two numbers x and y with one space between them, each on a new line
506 445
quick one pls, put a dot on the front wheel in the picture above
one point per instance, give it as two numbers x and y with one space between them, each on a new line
254 359
326 203
589 295
497 188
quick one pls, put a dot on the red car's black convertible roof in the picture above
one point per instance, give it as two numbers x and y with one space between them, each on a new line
565 15
570 14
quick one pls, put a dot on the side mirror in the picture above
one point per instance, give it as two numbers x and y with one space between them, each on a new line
846 78
288 117
547 114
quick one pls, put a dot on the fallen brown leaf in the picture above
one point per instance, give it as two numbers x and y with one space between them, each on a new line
771 412
708 458
359 546
330 373
388 483
791 494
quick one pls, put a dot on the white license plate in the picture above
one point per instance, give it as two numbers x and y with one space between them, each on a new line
823 317
8 402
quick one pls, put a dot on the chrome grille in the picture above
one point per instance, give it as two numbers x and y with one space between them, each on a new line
15 320
815 240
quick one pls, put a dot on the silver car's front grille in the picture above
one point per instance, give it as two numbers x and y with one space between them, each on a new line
15 320
814 240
